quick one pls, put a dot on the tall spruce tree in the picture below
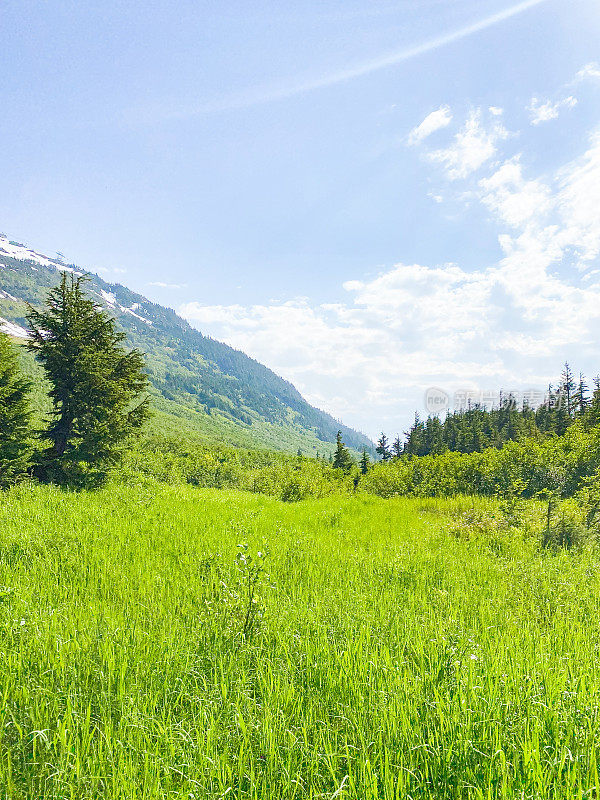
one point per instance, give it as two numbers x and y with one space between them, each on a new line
364 462
383 447
97 386
15 446
342 458
415 438
581 398
567 388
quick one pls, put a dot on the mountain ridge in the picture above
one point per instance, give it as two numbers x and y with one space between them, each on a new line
200 375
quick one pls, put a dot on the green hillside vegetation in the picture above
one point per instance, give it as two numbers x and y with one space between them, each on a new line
181 422
172 449
220 392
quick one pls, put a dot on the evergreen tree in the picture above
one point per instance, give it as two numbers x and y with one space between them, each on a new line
567 388
545 415
96 386
416 439
581 398
14 416
561 416
397 447
342 458
434 436
364 462
383 447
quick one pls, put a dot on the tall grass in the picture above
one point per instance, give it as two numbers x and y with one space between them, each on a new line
389 658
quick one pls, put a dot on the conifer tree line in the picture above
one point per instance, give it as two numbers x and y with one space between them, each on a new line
97 393
476 428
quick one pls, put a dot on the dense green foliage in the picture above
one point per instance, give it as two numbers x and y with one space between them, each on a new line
555 463
14 416
96 386
223 393
395 649
476 428
156 458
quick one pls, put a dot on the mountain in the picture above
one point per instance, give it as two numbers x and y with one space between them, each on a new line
197 382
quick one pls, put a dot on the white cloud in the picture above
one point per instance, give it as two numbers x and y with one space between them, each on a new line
578 202
496 111
433 122
471 148
162 285
512 198
544 111
591 70
371 356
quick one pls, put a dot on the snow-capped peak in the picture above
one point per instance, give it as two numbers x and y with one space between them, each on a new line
22 253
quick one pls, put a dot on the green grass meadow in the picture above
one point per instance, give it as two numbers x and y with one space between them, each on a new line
388 655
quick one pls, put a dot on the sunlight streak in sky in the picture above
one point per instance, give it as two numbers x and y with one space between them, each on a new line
271 94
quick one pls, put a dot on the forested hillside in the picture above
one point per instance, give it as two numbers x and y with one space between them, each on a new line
216 390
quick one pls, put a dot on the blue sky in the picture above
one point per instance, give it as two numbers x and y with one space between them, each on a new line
371 198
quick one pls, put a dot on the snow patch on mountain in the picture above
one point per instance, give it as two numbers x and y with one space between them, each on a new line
133 314
22 253
12 329
111 301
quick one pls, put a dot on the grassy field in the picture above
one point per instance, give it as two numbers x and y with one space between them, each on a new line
386 656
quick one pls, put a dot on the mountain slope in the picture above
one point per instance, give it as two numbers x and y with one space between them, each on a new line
208 385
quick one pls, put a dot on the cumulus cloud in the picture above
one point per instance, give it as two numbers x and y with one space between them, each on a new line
370 356
472 146
591 70
544 111
511 197
433 122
